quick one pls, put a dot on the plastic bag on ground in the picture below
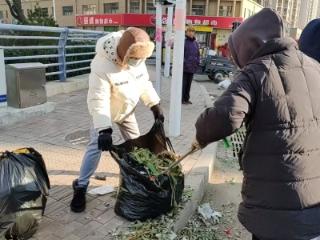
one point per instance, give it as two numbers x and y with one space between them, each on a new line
225 84
103 190
24 187
208 213
139 197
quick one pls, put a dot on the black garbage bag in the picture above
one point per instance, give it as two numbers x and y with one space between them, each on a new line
139 196
24 187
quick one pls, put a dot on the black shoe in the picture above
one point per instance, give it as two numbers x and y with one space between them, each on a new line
184 102
189 102
78 203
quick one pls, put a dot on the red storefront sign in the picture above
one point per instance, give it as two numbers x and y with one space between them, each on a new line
148 20
99 20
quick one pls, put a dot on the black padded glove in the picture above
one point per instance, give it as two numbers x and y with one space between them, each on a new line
157 112
105 140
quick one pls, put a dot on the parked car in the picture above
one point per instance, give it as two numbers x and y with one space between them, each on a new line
217 68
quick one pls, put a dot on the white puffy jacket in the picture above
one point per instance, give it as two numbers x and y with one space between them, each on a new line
115 91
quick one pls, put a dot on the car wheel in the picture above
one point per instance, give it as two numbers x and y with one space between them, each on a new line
218 76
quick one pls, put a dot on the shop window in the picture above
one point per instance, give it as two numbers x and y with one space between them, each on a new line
151 32
67 10
89 28
198 9
111 28
225 11
89 9
44 12
135 6
150 7
247 13
111 7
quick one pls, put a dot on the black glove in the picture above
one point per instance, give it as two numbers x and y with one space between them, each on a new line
105 140
157 112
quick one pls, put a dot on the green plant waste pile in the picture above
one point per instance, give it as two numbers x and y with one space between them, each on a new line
147 188
156 164
161 228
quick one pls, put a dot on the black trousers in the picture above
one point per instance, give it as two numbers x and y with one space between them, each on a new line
186 86
254 237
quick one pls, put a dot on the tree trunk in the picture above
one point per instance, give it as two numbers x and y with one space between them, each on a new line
16 11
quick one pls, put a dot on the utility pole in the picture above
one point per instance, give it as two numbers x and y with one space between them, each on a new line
54 9
3 84
158 38
177 72
167 63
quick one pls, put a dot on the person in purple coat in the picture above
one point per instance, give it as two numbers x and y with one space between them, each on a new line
190 64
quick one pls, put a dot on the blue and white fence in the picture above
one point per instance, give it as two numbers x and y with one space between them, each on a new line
64 51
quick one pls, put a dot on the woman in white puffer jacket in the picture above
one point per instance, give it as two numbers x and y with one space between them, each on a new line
118 80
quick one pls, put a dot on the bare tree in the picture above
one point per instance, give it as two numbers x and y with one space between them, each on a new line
16 10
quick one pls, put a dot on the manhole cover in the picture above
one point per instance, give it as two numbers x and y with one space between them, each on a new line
80 137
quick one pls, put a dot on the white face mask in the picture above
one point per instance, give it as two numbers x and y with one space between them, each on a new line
134 62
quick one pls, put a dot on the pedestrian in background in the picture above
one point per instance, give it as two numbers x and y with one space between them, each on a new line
309 42
190 64
276 95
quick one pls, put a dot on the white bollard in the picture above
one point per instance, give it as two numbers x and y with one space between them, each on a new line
177 71
158 39
167 63
3 84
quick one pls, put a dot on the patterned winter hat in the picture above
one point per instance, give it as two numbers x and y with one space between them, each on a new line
134 43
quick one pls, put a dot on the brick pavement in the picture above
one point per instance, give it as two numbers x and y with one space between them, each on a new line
61 137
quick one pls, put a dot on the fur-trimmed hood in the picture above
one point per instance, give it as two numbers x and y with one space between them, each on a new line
107 46
141 50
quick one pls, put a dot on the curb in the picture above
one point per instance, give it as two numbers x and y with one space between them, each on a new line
9 116
197 179
201 77
71 85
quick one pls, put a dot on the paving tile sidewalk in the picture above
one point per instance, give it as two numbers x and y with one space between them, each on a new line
61 137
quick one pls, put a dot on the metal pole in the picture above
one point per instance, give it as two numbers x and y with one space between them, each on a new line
167 63
54 9
3 84
62 53
176 84
158 39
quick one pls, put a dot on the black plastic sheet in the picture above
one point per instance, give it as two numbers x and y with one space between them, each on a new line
24 187
139 197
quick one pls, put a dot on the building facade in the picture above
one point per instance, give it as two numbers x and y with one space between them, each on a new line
66 10
296 13
212 18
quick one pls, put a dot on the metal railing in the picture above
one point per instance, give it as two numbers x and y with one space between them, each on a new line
64 51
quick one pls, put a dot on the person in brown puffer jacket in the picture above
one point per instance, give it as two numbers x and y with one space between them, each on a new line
276 95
